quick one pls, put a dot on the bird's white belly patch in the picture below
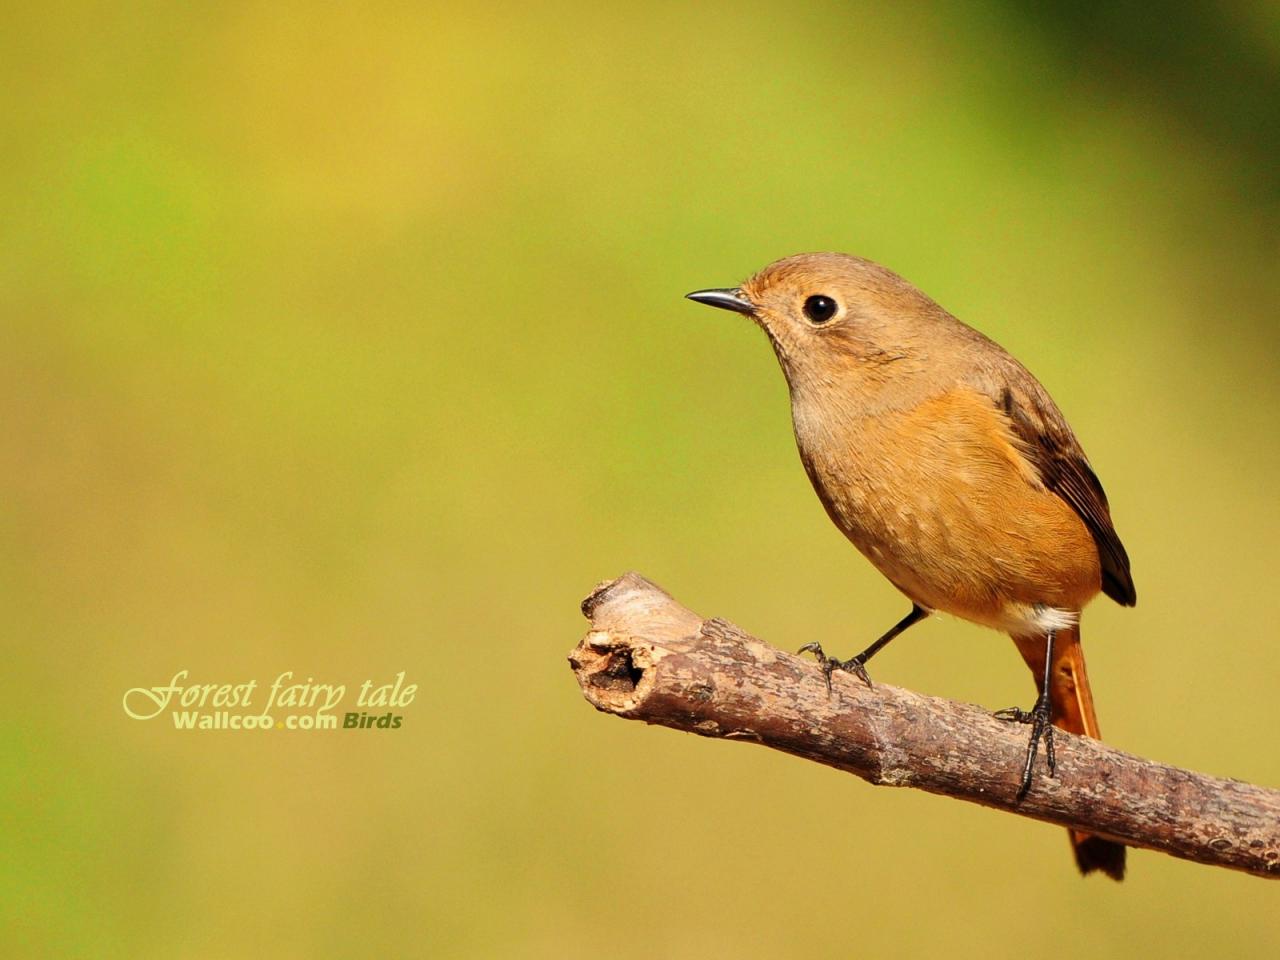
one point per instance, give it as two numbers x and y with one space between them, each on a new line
1038 619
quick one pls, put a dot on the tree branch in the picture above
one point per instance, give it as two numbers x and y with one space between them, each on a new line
648 658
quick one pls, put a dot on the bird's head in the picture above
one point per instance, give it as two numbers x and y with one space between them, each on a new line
835 318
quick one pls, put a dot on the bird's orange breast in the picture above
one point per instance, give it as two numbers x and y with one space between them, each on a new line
940 498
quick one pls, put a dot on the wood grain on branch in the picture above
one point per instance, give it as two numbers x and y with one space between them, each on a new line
648 658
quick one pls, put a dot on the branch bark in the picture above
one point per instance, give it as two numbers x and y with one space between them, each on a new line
648 658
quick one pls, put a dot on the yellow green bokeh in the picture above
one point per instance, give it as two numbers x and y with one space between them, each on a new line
349 340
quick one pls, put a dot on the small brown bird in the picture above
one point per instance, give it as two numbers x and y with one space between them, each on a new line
949 467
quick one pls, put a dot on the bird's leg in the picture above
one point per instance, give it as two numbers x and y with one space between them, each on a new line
856 665
1041 719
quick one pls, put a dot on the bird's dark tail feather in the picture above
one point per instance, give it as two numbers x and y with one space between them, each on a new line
1094 853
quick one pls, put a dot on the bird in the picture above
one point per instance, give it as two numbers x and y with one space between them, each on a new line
951 469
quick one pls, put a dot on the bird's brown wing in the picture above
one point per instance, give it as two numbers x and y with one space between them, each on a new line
1056 454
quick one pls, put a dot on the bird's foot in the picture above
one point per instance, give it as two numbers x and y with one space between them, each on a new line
1041 729
854 665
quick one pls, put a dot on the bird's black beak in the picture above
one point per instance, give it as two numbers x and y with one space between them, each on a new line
724 299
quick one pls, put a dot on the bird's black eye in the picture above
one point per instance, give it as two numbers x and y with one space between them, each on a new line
820 309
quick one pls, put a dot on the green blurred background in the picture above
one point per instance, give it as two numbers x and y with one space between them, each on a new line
349 340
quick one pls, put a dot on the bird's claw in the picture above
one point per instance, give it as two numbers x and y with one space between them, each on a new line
1041 729
854 665
1013 715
